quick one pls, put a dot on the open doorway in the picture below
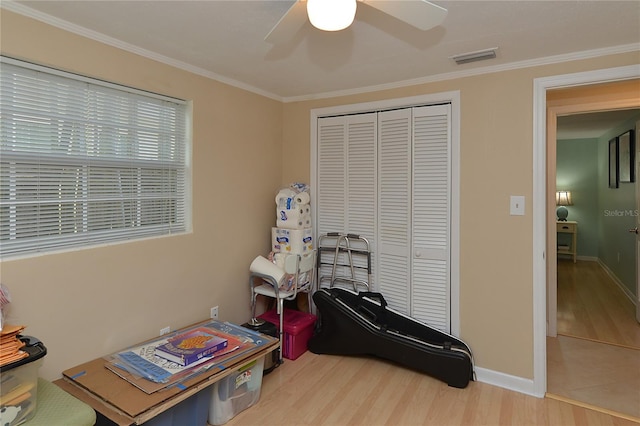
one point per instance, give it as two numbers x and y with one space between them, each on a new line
571 361
596 294
618 95
544 229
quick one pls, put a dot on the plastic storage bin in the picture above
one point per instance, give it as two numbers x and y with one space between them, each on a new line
193 411
236 392
298 329
19 384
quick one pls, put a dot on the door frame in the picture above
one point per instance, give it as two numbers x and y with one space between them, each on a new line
637 166
544 229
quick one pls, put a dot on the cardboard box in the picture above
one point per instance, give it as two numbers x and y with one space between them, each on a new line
298 329
19 384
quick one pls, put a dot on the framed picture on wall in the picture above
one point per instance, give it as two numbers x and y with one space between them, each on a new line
613 163
626 154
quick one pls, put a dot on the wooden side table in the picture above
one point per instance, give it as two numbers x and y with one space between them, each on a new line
568 227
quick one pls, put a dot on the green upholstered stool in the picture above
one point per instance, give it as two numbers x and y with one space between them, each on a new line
55 407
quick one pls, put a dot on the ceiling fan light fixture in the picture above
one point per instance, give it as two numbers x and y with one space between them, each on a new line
331 15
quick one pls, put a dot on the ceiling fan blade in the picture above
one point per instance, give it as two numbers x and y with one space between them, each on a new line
289 24
421 14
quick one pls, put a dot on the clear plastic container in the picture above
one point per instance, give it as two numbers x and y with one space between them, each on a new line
236 392
19 384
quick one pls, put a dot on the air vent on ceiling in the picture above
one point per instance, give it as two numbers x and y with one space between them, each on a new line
479 55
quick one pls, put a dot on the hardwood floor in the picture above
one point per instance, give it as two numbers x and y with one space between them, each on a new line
337 390
595 359
594 373
592 306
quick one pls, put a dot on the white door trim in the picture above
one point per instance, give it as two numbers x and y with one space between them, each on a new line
540 87
453 98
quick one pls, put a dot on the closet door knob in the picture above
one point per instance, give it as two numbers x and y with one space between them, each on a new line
634 230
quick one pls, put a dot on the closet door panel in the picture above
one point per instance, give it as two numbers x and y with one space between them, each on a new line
361 187
394 208
331 195
431 216
360 182
347 184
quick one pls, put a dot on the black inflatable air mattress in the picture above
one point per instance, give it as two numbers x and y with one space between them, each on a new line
361 324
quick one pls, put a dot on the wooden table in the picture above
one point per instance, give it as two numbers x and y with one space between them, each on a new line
125 404
569 227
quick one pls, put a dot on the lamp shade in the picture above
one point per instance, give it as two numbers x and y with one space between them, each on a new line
331 15
563 198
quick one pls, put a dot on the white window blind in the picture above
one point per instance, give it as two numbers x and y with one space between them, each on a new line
84 162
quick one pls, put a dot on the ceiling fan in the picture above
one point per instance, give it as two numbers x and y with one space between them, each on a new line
421 14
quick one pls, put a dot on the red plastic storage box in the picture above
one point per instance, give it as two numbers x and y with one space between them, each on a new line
298 329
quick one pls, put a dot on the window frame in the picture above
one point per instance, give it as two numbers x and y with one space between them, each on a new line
153 159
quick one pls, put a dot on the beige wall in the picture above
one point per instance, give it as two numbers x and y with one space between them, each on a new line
88 303
496 143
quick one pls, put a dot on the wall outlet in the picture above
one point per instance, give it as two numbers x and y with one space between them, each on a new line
214 312
165 330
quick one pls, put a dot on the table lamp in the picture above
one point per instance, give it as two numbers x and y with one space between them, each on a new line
563 198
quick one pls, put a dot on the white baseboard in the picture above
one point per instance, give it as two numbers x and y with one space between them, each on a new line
507 381
588 258
615 279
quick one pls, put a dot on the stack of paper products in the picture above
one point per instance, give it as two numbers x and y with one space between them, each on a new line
293 232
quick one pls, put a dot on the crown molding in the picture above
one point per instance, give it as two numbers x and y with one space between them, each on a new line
568 57
99 37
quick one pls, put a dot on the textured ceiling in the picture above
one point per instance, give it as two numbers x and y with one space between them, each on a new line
225 39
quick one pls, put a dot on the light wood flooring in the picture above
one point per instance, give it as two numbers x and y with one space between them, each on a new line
595 359
592 306
594 373
338 390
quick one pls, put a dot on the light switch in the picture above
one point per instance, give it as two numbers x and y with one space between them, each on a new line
517 205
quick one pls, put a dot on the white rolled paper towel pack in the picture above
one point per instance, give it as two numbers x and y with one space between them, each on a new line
279 258
294 221
295 241
262 265
302 198
285 199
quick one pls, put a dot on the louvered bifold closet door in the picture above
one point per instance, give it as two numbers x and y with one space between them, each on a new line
394 204
430 294
331 196
347 182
